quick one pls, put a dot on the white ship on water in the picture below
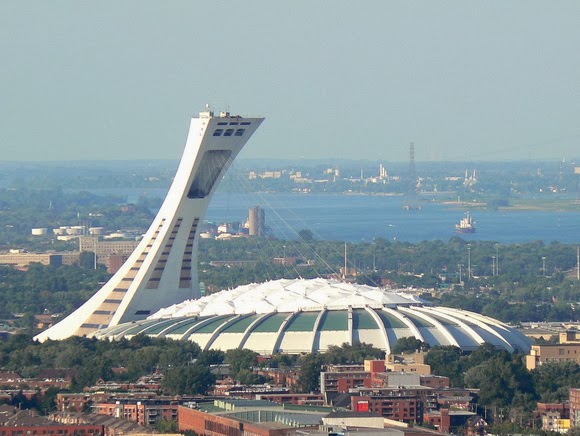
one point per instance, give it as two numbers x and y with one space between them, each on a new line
466 225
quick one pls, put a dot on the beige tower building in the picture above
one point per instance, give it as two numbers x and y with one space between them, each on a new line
163 268
257 222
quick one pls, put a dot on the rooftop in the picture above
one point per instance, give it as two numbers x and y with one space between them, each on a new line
288 295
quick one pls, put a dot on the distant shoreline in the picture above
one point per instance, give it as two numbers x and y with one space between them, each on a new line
515 205
522 205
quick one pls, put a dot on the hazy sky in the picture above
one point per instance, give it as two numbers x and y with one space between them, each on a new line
475 80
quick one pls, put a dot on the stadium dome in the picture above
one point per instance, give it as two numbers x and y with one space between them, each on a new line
302 316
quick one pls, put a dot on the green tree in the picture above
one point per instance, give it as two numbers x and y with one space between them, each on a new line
409 344
281 361
247 377
47 401
553 380
356 353
306 235
95 368
240 359
501 380
87 260
310 368
445 361
20 401
164 426
482 354
211 357
188 380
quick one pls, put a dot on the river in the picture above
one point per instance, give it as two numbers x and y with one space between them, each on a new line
356 218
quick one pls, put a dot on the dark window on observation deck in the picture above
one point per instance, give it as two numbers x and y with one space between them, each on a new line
143 312
209 169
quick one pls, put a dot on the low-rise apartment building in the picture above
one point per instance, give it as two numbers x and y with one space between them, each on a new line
550 353
145 412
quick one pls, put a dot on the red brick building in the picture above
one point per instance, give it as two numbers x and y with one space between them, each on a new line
26 422
283 377
563 409
112 426
400 407
435 381
52 429
342 379
448 421
72 402
342 382
214 425
145 412
409 404
57 378
575 407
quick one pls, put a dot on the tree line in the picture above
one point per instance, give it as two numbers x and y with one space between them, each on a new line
517 291
186 369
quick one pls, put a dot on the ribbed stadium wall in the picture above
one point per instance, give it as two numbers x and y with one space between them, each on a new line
316 330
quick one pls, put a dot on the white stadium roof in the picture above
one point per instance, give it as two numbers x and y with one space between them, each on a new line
301 316
288 296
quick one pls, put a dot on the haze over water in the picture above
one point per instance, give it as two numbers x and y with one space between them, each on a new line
358 218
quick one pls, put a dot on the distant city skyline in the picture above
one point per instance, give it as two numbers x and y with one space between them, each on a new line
472 81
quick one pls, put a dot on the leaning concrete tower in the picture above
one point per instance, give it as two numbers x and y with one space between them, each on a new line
163 268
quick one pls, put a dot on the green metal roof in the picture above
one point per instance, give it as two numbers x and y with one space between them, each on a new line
334 320
183 327
445 321
419 322
139 327
213 325
302 322
160 326
362 320
390 321
241 325
272 323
